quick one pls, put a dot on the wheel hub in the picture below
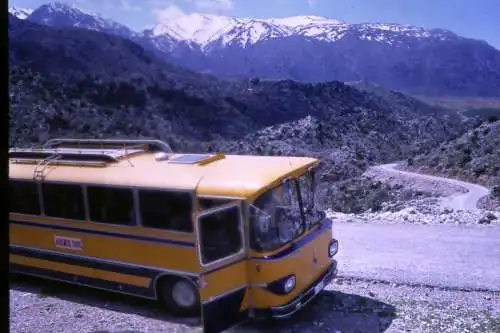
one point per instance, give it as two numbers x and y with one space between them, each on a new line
183 294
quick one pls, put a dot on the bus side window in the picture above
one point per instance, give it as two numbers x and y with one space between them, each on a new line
220 234
111 205
63 201
23 197
167 210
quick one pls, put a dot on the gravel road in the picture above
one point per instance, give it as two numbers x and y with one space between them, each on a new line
347 306
449 201
438 255
387 247
460 199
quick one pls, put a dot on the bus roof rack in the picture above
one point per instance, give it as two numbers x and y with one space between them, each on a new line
70 154
66 156
152 145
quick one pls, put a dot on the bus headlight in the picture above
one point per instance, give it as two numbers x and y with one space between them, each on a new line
289 284
333 248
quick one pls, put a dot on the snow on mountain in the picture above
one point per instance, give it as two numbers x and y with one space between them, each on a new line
20 13
305 48
62 15
250 32
393 33
195 27
206 29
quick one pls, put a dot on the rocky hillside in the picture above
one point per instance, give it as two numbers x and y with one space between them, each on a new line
308 49
80 82
349 142
75 82
474 157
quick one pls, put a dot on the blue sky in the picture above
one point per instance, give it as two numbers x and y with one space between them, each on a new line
476 19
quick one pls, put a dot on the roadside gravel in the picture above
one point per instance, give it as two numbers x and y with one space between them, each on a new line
38 306
419 212
347 305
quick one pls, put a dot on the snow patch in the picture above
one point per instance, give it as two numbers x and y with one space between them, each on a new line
195 27
20 13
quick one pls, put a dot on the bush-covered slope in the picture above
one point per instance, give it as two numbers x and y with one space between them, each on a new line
474 156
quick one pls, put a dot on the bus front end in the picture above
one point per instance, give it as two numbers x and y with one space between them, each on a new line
292 248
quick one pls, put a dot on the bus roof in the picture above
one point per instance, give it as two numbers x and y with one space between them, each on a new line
242 176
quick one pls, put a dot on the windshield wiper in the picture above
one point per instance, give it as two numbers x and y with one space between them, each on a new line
301 204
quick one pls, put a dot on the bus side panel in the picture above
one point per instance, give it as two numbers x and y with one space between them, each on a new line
120 262
134 285
225 296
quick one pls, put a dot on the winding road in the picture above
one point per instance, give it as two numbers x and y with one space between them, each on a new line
449 256
466 200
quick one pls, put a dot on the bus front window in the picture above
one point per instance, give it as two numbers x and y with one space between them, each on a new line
276 217
307 183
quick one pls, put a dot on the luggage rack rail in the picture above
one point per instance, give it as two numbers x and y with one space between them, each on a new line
82 152
40 167
44 158
145 144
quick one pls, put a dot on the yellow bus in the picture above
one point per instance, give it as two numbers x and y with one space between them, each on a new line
230 237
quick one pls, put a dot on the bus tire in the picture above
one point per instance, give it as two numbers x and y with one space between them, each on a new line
180 296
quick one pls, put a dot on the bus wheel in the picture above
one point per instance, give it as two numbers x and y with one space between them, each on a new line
180 296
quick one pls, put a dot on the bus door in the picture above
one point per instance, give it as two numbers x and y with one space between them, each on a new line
222 250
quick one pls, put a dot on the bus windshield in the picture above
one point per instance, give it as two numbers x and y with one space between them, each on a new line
283 213
276 217
312 214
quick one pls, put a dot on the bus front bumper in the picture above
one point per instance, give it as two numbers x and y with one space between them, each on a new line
287 310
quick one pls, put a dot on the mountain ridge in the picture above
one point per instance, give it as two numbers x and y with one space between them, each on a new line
413 60
217 26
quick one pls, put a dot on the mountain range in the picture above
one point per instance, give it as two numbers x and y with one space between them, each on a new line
305 48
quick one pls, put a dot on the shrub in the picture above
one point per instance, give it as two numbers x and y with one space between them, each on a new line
496 191
492 119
